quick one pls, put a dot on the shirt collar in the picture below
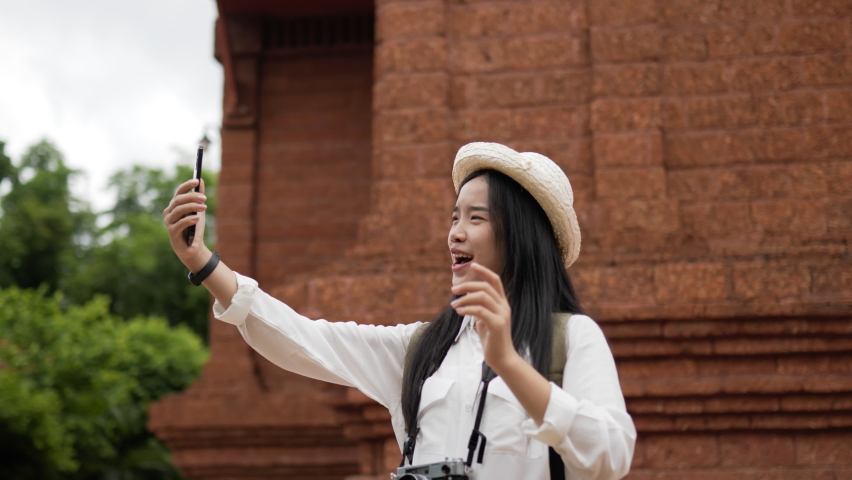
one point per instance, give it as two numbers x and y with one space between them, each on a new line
466 322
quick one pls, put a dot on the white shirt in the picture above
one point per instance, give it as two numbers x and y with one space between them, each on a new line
586 421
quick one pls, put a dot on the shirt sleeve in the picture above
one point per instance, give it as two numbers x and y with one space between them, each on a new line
586 420
367 357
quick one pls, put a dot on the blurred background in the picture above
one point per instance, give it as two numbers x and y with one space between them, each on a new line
708 143
102 107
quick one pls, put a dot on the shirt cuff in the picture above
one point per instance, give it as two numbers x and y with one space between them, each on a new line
558 418
236 313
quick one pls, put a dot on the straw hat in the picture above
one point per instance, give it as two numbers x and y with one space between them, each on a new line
538 175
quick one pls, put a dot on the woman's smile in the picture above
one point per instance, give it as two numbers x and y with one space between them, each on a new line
460 259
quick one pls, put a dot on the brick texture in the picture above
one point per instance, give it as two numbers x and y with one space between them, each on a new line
709 145
314 162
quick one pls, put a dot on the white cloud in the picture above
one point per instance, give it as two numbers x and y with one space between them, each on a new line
111 83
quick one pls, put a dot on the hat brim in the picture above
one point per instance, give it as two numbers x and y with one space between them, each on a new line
539 175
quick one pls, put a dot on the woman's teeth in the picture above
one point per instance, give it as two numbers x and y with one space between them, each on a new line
460 259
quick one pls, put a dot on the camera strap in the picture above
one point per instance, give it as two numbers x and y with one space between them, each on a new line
476 437
408 446
558 359
411 440
414 428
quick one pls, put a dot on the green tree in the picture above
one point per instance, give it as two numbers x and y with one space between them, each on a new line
7 170
131 260
77 372
75 384
33 441
49 237
40 219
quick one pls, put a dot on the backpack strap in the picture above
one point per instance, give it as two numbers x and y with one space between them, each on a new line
559 350
558 357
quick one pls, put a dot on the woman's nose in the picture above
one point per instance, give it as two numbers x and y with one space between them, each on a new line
457 234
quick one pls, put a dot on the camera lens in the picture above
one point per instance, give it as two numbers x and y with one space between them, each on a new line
413 476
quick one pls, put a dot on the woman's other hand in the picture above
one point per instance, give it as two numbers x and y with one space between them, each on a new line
486 301
177 219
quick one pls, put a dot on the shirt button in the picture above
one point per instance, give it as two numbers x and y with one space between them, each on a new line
468 407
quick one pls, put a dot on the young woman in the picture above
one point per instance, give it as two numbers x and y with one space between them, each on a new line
513 235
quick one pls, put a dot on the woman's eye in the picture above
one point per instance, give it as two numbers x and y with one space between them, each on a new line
476 218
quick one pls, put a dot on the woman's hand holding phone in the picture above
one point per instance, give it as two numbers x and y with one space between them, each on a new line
177 219
222 283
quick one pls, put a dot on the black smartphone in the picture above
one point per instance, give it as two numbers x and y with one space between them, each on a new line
189 232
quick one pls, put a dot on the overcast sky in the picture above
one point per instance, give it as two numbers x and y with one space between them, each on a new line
111 83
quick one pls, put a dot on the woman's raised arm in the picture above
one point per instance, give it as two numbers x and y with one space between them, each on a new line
363 356
222 283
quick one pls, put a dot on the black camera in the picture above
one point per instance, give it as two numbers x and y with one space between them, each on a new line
454 469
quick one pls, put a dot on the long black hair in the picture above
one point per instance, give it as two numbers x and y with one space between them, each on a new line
534 276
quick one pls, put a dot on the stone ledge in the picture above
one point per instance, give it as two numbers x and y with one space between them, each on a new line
741 404
730 327
253 438
736 385
774 422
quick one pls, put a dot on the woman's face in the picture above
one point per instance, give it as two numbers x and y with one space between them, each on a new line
472 235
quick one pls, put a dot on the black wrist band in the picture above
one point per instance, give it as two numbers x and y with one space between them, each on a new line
204 272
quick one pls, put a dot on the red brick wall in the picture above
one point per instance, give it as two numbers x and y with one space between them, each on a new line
314 170
314 174
734 205
712 125
709 144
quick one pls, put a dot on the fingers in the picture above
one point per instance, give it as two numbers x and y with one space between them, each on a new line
481 313
482 301
492 319
180 225
184 198
469 287
201 190
477 298
182 210
198 240
489 276
186 186
487 294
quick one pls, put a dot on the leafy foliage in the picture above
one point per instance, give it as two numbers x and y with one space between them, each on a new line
7 170
78 369
132 261
50 238
76 383
40 219
33 441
